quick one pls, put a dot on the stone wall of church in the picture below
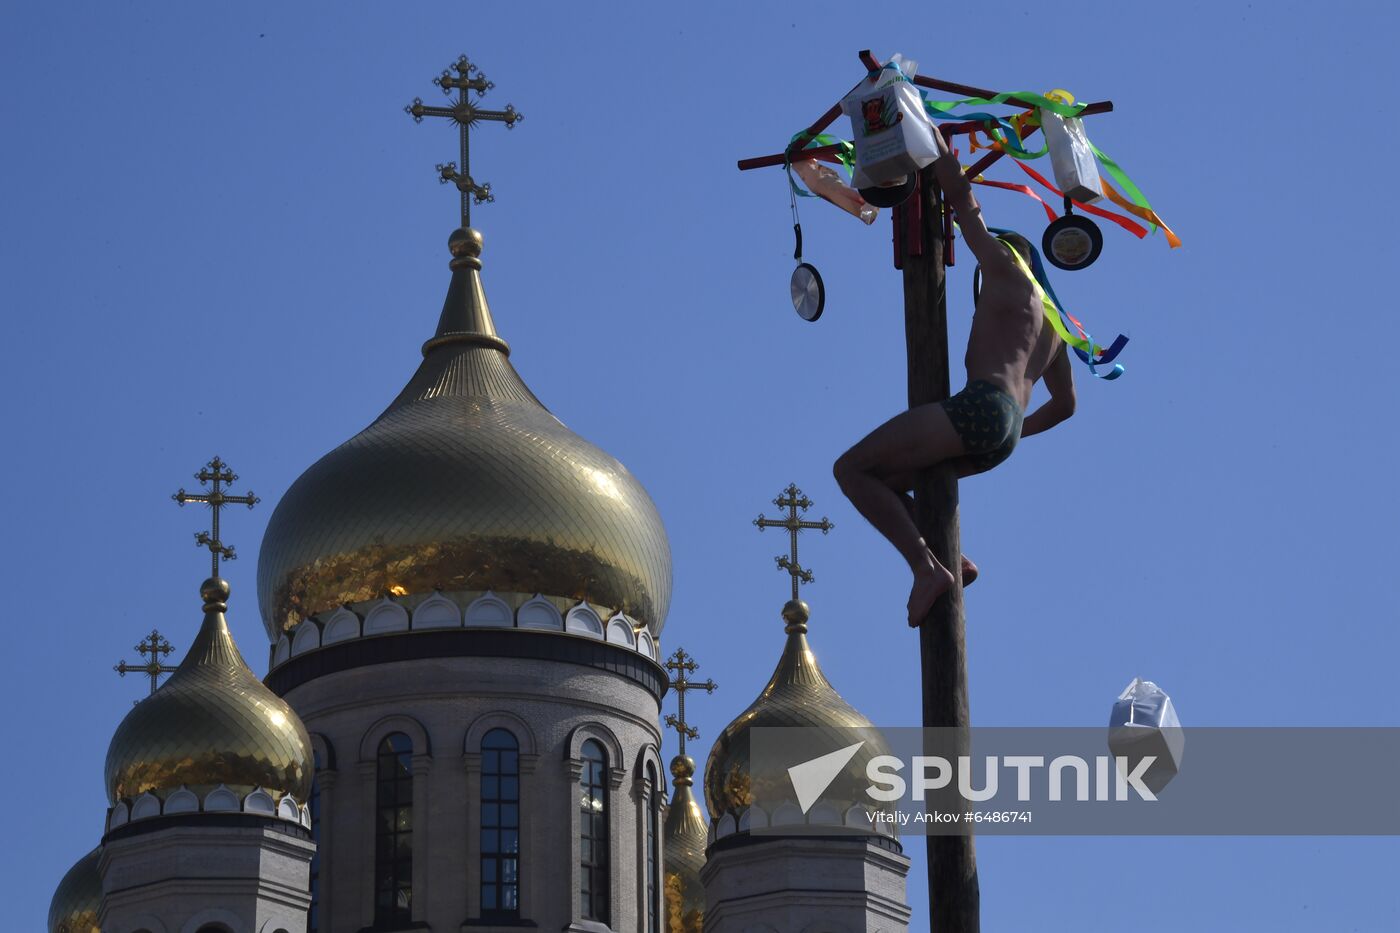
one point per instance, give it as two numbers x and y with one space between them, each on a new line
220 871
813 884
445 706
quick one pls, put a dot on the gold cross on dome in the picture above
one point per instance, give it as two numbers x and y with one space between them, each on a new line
793 500
466 113
154 645
681 665
218 473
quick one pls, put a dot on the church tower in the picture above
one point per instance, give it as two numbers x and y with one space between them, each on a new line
685 822
686 829
208 779
835 871
464 602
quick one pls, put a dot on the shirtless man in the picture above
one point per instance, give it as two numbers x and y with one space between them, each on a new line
1009 349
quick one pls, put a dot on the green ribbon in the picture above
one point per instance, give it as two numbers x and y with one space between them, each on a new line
846 155
1040 100
998 128
1132 191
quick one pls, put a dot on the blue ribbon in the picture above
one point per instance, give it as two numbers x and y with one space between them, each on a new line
1108 355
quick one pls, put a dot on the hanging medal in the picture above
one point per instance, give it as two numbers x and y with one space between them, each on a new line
808 292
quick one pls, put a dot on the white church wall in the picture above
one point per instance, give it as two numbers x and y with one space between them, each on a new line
582 620
539 613
343 626
386 616
307 637
437 611
620 631
489 611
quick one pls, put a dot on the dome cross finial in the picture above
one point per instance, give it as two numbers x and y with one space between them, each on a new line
794 501
466 113
154 645
218 473
682 665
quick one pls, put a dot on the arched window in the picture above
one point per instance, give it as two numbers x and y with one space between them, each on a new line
594 881
653 813
393 838
313 805
500 826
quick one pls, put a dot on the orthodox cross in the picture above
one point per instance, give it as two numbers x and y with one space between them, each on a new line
154 645
681 665
466 113
217 473
793 500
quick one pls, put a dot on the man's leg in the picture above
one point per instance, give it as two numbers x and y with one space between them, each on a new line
908 442
903 484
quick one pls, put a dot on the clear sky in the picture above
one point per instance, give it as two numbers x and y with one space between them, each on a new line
219 233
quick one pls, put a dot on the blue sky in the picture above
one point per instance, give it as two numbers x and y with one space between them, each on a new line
220 234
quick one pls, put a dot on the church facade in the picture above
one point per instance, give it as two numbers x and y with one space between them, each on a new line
460 726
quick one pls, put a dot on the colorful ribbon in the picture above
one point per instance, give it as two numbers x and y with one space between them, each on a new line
941 108
1135 229
1024 189
1006 136
1138 204
845 155
1084 346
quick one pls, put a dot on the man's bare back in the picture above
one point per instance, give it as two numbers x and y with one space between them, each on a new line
1009 349
1010 344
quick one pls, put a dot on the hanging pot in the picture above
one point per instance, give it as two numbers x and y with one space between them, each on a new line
1072 242
890 195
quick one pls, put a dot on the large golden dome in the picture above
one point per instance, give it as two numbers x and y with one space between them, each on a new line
211 723
685 835
797 695
465 483
77 898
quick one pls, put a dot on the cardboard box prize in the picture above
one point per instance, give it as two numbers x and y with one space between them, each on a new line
892 134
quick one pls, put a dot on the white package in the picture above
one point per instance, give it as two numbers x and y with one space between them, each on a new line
891 131
1144 722
1071 157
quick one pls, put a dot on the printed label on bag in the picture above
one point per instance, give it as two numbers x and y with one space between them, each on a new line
879 113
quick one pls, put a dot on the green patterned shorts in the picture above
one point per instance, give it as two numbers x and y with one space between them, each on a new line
988 420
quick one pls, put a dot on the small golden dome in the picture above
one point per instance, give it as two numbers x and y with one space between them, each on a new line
211 723
77 898
685 852
797 695
465 483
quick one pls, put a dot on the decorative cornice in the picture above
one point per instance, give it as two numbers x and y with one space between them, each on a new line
488 643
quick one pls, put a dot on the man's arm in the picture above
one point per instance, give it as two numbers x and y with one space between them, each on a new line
957 190
1059 381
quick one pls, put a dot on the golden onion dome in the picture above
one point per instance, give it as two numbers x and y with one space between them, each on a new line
685 833
211 723
465 483
77 898
797 695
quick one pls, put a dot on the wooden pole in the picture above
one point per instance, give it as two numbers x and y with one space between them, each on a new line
954 899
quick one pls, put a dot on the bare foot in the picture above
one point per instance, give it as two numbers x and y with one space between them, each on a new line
969 572
928 586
